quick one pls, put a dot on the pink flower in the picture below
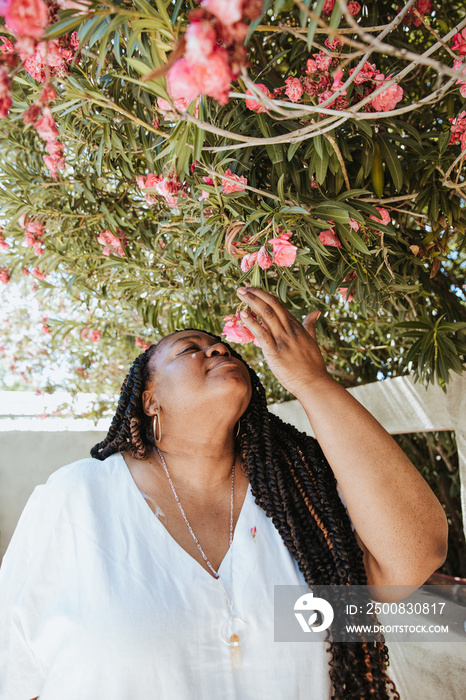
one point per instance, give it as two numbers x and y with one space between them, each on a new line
3 244
46 329
200 41
367 72
388 98
284 252
231 186
459 42
38 274
181 103
85 333
328 7
253 531
458 130
5 98
248 260
26 17
354 224
50 53
294 89
112 244
7 46
214 78
256 106
142 344
227 11
182 81
236 332
333 44
95 335
322 61
384 216
325 96
311 66
263 259
337 81
353 8
4 275
54 161
329 238
168 188
46 127
423 7
344 290
457 63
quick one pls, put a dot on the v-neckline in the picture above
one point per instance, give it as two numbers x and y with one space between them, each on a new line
149 512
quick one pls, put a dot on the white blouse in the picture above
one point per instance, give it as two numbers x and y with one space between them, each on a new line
98 601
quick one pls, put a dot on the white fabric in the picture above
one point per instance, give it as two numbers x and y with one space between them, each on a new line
98 601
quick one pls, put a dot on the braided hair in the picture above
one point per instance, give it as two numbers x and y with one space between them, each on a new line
293 483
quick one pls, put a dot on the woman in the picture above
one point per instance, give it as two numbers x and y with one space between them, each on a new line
103 598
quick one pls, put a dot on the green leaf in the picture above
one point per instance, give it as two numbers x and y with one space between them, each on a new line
393 163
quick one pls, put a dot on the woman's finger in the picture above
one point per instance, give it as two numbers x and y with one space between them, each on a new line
261 334
265 305
309 323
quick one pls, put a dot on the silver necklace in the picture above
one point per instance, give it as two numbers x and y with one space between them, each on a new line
233 629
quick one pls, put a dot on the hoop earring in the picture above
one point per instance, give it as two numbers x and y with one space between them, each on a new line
156 428
239 428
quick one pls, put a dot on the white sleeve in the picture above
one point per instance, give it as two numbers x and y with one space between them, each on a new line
29 575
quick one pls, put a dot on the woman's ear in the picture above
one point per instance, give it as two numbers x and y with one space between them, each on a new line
149 403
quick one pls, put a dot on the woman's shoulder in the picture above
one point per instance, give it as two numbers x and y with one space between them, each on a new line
83 471
75 483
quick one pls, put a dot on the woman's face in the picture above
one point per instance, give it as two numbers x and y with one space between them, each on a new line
193 372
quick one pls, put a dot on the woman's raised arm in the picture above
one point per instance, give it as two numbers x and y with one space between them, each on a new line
399 523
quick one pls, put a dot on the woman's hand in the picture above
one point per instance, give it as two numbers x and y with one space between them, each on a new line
290 348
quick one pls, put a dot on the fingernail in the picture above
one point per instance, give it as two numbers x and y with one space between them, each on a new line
241 290
318 315
244 313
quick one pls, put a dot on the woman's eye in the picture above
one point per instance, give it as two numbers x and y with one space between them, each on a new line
190 347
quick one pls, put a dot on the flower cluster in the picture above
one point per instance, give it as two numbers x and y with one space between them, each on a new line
94 336
284 254
237 186
329 237
214 50
28 19
40 116
112 244
458 130
168 187
57 54
318 82
423 7
34 232
353 8
459 42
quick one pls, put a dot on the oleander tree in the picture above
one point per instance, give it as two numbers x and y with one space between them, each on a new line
156 155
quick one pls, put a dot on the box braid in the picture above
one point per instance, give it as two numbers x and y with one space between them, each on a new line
293 483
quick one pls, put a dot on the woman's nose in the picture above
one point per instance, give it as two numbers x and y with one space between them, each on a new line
217 349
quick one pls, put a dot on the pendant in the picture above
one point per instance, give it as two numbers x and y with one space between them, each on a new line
232 633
